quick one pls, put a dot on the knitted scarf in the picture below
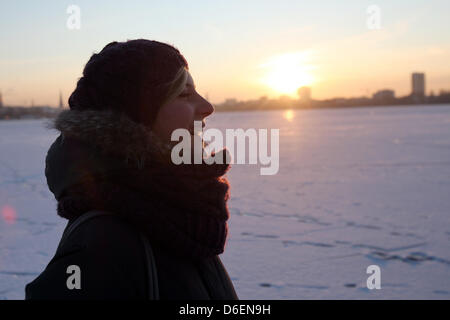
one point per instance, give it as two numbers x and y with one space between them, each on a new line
105 161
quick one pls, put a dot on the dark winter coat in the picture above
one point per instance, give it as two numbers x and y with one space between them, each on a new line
112 264
182 212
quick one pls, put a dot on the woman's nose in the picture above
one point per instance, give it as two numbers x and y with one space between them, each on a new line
205 108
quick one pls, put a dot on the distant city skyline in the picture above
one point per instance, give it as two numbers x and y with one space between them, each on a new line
241 50
418 85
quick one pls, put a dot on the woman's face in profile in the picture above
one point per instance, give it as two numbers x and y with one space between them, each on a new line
181 112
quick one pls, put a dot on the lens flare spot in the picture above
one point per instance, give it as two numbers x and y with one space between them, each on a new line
9 214
288 115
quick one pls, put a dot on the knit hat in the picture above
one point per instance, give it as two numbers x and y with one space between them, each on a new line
135 77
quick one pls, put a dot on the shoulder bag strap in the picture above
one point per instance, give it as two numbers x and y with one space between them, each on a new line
153 289
83 218
153 292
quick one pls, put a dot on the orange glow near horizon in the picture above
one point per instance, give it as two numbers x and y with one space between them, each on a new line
287 72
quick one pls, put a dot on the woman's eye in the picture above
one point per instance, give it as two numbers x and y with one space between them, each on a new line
185 95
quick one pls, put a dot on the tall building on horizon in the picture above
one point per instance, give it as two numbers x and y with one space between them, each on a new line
1 100
418 84
61 105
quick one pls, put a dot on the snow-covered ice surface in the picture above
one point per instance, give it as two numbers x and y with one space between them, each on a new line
355 187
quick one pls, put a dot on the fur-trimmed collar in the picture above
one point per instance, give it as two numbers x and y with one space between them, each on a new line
113 134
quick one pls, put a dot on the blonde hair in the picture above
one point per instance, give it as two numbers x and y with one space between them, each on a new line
176 86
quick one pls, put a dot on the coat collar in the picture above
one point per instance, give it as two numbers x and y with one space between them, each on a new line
112 134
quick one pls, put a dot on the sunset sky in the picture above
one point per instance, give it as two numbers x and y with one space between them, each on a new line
235 49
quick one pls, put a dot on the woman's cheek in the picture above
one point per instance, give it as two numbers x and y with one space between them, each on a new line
186 118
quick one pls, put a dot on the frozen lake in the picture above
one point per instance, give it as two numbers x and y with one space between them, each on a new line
355 187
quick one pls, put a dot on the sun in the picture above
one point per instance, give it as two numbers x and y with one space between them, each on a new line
287 72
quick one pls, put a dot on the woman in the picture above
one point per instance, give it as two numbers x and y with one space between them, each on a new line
114 154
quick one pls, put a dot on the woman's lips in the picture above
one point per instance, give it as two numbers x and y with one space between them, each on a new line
191 130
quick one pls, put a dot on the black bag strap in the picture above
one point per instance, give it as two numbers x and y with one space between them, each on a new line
153 289
83 218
